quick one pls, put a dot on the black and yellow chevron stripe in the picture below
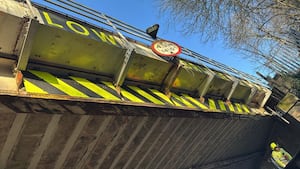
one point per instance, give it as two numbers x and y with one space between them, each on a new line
47 83
44 82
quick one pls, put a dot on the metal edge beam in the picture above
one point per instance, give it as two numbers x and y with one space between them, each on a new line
253 91
233 88
171 76
204 87
114 23
267 95
92 107
26 39
120 76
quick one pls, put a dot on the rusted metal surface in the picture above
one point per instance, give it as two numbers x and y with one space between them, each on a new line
30 103
49 133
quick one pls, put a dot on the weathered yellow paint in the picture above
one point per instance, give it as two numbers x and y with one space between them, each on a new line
59 84
95 88
32 88
105 37
153 95
245 108
50 22
222 105
202 106
212 104
109 84
163 96
84 31
238 107
182 100
230 106
146 95
131 96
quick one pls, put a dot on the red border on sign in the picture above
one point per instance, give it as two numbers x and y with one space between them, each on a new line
162 54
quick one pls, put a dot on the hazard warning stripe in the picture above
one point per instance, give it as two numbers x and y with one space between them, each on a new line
39 83
176 101
238 108
130 96
146 95
36 84
32 88
164 98
222 105
212 104
46 83
95 88
59 84
230 106
181 101
135 94
194 101
80 87
245 108
108 86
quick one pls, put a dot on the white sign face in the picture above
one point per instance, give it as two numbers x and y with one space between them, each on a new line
165 48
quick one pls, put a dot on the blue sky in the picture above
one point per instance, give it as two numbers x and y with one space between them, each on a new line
144 13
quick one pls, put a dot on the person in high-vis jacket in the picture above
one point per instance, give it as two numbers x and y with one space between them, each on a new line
279 155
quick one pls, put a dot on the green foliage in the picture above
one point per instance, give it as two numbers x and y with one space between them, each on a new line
294 81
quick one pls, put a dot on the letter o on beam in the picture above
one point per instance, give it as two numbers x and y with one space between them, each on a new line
82 31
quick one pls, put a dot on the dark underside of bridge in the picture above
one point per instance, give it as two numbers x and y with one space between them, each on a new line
68 133
77 96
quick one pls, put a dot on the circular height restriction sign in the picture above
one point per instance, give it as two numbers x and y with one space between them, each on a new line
165 48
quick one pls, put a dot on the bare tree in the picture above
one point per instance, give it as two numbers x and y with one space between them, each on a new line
263 30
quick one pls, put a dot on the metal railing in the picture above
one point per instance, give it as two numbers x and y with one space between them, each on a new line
95 17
